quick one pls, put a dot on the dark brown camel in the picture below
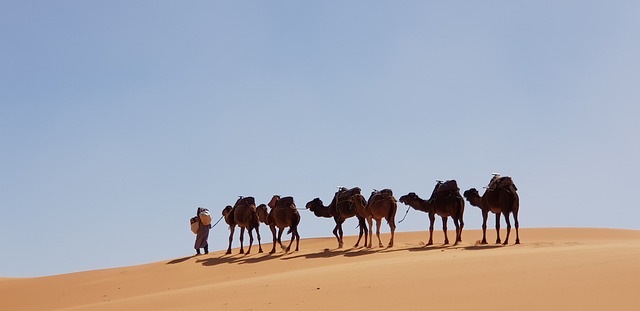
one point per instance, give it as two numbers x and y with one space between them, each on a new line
444 205
498 200
381 205
243 214
340 209
283 214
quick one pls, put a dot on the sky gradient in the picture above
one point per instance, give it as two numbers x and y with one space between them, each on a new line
119 119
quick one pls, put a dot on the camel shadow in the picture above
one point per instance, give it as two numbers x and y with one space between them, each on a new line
426 248
236 258
179 260
483 247
453 247
364 251
265 257
326 253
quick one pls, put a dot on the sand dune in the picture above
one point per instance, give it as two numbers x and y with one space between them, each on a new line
574 269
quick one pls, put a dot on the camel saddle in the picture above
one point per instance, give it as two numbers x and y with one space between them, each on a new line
286 202
446 188
384 194
344 194
341 198
502 182
246 201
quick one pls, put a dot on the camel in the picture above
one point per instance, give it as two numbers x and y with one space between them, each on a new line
243 214
283 214
500 200
445 205
340 209
381 205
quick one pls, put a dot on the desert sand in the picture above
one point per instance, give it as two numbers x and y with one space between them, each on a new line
553 269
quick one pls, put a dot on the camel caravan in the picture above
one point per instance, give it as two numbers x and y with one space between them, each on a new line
500 198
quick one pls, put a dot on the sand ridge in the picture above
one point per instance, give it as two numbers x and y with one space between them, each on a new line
559 268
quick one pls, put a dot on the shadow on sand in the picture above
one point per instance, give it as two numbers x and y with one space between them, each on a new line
239 259
483 247
179 260
325 253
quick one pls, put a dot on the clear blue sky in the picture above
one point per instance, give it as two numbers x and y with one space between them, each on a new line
118 119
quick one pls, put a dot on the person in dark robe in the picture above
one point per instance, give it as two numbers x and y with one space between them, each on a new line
203 235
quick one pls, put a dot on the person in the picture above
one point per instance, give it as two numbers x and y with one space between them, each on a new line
203 235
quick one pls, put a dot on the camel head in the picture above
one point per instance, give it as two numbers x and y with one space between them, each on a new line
262 212
274 199
417 203
471 193
410 198
314 204
226 210
473 196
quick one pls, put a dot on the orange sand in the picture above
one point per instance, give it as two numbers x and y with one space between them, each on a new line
553 269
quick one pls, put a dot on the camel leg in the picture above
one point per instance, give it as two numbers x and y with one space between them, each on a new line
294 233
485 215
273 233
461 222
363 229
517 223
497 228
392 227
461 219
458 231
341 235
249 231
378 224
231 229
370 222
293 236
259 242
506 218
461 227
280 230
337 231
432 219
367 230
241 240
444 229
